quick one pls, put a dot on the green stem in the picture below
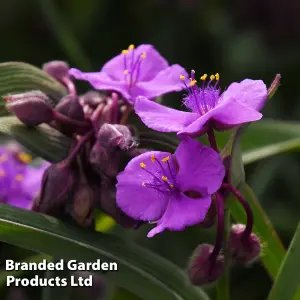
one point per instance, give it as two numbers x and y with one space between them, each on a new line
223 284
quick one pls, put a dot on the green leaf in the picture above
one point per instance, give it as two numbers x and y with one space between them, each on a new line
18 77
273 251
265 138
140 271
287 282
44 141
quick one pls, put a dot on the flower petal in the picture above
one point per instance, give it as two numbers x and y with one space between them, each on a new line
166 81
150 66
200 168
250 93
102 81
182 211
162 118
138 201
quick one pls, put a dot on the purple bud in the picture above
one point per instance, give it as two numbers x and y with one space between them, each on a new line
31 108
202 270
70 107
109 206
57 69
112 136
241 249
57 189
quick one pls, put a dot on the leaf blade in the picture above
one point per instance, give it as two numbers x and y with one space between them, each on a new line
137 274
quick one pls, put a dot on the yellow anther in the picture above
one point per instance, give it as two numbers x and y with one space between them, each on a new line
131 47
212 77
2 173
24 157
182 77
144 55
164 178
143 184
19 177
203 77
217 76
153 158
3 158
193 82
125 72
165 159
124 51
142 165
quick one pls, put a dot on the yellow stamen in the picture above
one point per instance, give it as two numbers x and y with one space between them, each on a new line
164 178
124 51
152 158
24 157
193 82
143 56
165 159
2 173
182 77
125 72
19 177
131 47
3 158
143 184
203 77
142 165
217 76
212 77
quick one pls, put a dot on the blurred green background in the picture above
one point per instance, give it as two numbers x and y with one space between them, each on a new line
238 39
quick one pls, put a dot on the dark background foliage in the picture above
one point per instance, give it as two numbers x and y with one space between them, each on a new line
239 39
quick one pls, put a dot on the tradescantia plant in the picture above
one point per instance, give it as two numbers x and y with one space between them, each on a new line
97 160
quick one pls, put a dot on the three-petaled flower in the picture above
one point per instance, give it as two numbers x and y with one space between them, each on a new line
174 191
19 182
239 104
140 71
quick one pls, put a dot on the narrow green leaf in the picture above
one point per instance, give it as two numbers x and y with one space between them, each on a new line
288 280
44 141
139 270
273 251
18 77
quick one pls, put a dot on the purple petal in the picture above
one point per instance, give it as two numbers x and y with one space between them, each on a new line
182 211
250 93
162 118
19 199
206 175
165 82
102 81
136 200
150 66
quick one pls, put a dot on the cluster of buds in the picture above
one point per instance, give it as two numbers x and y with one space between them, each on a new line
85 180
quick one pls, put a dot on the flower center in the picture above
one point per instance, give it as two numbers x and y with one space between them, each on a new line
132 65
163 178
201 99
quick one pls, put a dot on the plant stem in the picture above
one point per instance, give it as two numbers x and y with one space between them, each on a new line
223 284
212 138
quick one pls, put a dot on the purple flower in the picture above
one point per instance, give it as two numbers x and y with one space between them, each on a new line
173 191
239 104
19 182
135 72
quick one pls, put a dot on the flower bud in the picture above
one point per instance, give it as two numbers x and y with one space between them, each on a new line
202 270
70 107
109 206
57 69
92 99
113 136
57 189
31 108
243 250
